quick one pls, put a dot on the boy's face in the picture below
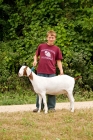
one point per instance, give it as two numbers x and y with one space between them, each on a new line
51 39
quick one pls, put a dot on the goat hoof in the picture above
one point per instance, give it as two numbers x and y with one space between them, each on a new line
72 111
46 111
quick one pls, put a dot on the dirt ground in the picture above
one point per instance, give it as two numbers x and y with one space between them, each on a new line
59 106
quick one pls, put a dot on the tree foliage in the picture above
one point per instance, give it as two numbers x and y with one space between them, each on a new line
23 26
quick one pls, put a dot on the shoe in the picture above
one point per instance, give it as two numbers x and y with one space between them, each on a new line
35 110
51 110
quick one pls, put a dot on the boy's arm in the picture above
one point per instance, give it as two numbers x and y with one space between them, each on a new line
35 60
59 64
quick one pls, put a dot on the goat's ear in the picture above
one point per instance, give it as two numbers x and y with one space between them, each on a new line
24 72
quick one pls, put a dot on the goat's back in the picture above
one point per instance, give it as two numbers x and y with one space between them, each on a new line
53 85
60 83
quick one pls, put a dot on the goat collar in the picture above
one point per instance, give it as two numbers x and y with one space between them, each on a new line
32 69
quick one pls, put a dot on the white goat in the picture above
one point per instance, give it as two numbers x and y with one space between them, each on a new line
53 86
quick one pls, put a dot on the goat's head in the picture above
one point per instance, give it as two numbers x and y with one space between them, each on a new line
24 71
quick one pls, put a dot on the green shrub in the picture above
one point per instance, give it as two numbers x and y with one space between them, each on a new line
26 24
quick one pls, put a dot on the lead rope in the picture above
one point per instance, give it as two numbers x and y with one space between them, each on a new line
33 69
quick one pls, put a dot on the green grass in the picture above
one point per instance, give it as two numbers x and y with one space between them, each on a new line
16 98
29 97
59 125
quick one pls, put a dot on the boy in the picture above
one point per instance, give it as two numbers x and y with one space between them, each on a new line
50 55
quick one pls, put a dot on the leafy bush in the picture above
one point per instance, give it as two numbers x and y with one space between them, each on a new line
26 25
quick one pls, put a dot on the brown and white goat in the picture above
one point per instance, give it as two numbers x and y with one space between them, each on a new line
53 86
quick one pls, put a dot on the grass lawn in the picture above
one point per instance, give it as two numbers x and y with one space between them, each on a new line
29 97
59 125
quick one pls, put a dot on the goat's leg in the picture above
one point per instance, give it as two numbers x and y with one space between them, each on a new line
71 99
40 101
45 103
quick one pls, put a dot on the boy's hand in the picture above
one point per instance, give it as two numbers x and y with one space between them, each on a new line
34 63
61 72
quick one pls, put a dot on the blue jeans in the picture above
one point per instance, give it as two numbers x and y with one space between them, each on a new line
51 99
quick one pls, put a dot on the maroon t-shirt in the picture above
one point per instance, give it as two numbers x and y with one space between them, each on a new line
48 57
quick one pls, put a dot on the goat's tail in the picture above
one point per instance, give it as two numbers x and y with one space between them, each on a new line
78 77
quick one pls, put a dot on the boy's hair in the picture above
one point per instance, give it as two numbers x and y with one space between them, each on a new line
52 33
